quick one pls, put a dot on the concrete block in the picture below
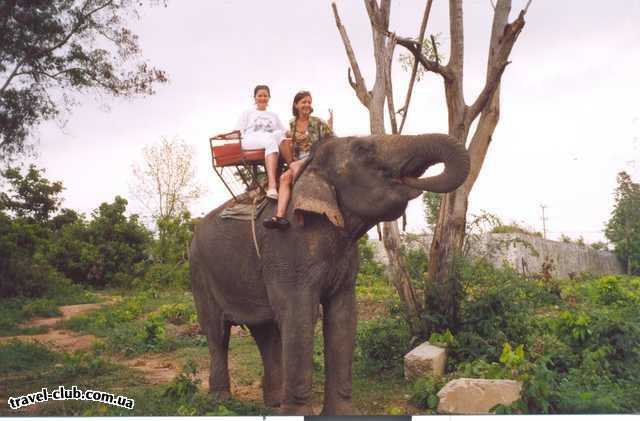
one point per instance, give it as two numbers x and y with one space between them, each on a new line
425 360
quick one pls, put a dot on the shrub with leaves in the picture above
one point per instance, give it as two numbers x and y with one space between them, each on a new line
382 343
184 386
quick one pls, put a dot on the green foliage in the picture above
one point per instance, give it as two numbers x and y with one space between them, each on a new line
109 250
185 385
42 245
30 196
57 47
80 363
166 275
514 228
25 210
578 348
174 238
382 343
178 313
599 245
42 307
424 392
371 272
431 203
443 339
623 229
121 243
19 356
14 311
431 48
132 328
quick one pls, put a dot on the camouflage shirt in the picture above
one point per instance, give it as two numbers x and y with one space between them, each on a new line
317 129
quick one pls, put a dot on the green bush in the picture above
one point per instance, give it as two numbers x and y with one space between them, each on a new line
41 307
80 363
371 272
166 275
382 343
578 346
179 313
184 386
424 392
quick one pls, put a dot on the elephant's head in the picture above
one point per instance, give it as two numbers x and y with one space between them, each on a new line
373 178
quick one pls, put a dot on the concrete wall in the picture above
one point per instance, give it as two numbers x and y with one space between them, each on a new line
526 253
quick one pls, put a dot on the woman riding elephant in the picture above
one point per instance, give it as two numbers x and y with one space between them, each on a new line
262 129
304 130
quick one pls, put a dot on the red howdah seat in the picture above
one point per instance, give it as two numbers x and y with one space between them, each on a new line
232 164
231 154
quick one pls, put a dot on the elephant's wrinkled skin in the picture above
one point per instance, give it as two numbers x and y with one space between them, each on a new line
350 185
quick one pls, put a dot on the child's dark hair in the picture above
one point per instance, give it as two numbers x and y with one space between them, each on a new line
296 99
259 87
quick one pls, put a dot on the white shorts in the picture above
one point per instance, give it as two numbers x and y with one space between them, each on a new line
270 142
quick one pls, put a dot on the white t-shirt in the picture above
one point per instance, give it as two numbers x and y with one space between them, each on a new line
258 123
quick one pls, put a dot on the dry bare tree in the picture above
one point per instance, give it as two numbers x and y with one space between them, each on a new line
374 100
444 291
165 183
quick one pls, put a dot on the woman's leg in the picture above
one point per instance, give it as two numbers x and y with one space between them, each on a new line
271 161
286 180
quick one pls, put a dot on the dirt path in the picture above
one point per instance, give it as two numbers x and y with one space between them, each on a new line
156 368
60 339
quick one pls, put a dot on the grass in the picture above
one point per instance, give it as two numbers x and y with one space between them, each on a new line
16 311
138 323
17 356
127 328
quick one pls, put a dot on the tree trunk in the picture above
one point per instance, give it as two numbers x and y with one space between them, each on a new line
444 293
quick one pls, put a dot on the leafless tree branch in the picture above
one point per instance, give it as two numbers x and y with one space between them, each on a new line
359 85
414 70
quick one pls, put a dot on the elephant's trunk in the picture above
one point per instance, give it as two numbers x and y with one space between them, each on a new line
433 149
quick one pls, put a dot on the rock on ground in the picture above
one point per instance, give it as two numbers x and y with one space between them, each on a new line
477 396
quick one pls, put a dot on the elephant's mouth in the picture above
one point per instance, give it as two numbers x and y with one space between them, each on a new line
411 172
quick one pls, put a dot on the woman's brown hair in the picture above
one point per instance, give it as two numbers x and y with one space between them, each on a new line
298 98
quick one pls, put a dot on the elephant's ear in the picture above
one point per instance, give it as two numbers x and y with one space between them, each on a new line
313 193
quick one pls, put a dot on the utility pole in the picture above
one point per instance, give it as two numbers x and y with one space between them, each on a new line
544 222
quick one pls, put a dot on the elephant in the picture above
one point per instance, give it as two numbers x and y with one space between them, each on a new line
348 186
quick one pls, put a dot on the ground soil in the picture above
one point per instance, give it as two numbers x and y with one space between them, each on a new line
156 368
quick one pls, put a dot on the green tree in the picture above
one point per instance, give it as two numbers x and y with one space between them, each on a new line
120 242
50 49
31 195
623 229
26 208
174 237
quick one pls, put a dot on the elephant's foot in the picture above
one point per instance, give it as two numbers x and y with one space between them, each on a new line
296 409
339 408
221 395
272 399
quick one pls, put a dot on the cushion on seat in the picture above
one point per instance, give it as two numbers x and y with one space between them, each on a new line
230 154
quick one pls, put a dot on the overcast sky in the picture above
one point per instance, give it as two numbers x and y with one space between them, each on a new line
570 119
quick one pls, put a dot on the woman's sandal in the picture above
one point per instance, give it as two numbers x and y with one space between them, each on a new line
276 222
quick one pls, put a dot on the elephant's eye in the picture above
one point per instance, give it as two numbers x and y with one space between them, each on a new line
362 148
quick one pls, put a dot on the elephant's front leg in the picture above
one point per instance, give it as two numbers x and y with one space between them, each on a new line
339 331
296 327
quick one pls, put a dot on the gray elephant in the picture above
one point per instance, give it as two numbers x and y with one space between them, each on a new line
350 185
